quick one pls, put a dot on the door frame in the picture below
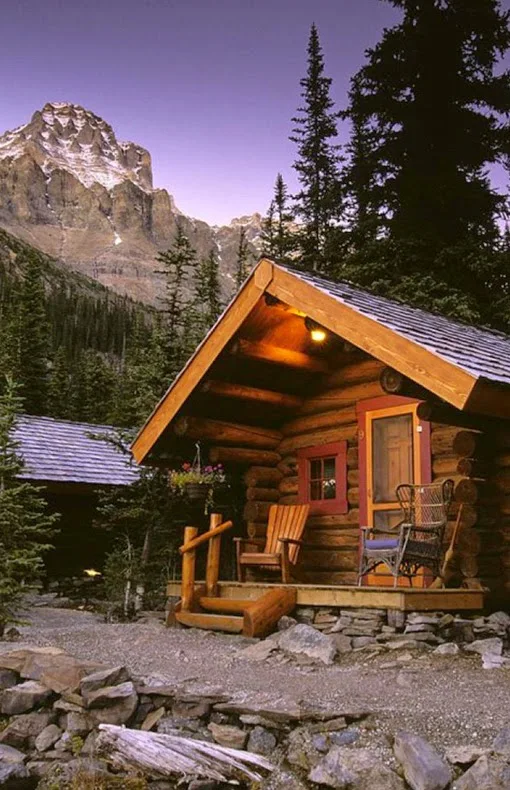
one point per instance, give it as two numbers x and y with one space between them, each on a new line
386 406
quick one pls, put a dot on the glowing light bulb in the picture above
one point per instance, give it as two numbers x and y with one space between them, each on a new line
318 335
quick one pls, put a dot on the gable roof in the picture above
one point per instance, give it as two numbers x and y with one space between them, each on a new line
62 451
463 365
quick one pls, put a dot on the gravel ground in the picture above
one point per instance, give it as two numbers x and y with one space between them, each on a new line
449 700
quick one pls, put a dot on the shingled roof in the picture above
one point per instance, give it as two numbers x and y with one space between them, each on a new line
479 351
62 451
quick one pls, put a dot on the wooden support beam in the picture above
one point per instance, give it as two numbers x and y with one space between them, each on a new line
278 355
395 383
188 571
189 545
227 432
228 389
447 415
243 455
262 476
261 616
212 570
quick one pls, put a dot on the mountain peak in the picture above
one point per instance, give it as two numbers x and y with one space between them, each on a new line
69 137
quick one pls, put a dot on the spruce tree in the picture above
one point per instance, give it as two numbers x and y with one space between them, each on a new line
243 259
25 527
278 237
34 337
427 112
60 386
318 203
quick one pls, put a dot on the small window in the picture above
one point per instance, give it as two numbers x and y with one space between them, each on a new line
323 477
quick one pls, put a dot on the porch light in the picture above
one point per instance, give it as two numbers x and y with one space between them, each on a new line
317 332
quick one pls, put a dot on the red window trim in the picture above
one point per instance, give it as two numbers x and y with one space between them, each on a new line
325 506
387 402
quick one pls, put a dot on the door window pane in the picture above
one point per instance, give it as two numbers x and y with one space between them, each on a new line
392 450
386 519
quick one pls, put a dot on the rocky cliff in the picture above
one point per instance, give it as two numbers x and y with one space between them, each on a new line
70 188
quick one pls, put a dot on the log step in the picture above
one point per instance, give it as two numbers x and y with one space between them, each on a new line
225 605
210 622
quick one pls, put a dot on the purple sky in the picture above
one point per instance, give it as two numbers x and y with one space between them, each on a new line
208 86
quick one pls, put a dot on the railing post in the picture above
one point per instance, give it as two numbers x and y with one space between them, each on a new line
213 557
188 571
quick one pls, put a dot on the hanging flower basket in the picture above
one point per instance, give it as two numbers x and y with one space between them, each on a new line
197 492
197 482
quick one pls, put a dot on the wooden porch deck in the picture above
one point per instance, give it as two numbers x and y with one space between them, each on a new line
403 599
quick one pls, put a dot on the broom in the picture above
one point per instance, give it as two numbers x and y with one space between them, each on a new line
439 581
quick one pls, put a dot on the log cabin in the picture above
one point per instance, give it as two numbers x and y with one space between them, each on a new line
71 466
381 393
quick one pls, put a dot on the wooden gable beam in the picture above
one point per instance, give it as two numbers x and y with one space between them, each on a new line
277 355
206 353
442 378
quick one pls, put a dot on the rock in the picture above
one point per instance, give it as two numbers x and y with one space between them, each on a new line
341 642
109 695
494 646
105 677
279 779
23 697
488 773
305 640
152 719
26 726
423 768
79 723
252 720
227 735
8 754
16 659
500 618
344 738
61 775
286 622
501 743
447 649
47 737
414 628
190 709
301 750
341 623
279 709
89 746
363 641
490 661
354 769
261 741
464 755
396 618
119 710
259 651
8 678
14 776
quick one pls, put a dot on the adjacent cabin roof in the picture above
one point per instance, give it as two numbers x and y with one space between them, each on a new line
62 451
465 366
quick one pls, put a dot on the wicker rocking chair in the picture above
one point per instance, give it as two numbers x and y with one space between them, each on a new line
417 541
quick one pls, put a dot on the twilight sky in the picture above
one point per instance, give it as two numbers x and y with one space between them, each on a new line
208 86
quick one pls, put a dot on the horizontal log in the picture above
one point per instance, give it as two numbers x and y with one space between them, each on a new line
262 476
193 544
333 578
288 499
331 538
395 383
243 455
288 465
445 464
468 444
501 460
289 485
262 494
352 458
256 529
468 491
226 432
327 559
441 440
353 496
470 515
261 615
314 422
468 542
437 412
502 481
334 520
292 443
353 477
276 355
256 511
468 566
229 389
469 467
342 397
355 373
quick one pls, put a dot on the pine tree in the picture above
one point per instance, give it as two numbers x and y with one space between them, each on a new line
60 386
278 237
179 264
34 336
25 527
427 113
318 204
93 388
243 259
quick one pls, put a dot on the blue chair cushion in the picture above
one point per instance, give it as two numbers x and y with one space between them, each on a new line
388 543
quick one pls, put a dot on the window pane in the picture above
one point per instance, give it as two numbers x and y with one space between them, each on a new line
316 469
329 488
392 451
385 519
315 489
329 467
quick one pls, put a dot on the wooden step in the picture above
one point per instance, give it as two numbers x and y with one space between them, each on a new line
210 622
229 605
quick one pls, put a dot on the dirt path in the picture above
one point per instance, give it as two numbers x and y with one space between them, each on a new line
450 700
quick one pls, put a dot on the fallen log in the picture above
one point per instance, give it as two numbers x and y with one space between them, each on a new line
162 756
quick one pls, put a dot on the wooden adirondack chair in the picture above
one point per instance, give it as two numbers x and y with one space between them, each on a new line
285 528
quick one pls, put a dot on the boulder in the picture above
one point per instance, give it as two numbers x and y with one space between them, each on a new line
227 735
448 649
261 741
8 678
488 773
464 755
23 697
108 695
501 743
105 677
21 728
113 704
8 754
492 646
423 768
16 659
14 776
501 619
354 769
305 640
47 737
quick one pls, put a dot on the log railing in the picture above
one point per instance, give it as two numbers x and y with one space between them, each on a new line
188 551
